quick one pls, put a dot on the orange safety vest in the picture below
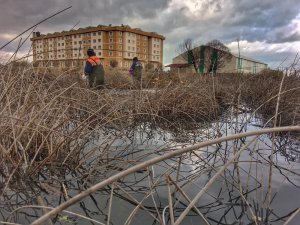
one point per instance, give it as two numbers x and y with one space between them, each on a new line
94 60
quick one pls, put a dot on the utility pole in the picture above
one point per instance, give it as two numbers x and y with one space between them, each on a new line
239 57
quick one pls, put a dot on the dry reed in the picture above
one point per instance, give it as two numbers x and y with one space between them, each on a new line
49 121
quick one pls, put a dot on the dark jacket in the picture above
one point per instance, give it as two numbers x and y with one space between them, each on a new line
95 72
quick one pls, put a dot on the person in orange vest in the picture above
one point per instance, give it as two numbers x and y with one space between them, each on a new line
93 70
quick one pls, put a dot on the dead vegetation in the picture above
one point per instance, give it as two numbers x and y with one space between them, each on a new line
49 122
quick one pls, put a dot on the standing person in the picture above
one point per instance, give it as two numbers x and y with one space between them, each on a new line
136 69
94 70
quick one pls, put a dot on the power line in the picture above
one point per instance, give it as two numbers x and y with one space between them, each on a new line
34 26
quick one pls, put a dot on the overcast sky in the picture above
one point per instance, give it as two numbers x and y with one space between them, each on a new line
268 30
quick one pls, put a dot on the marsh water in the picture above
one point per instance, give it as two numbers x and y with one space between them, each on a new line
111 151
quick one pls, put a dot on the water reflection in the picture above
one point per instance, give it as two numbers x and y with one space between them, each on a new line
238 196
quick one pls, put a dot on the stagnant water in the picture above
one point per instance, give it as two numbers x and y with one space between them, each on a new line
221 204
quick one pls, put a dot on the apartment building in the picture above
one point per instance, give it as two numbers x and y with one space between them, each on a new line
114 45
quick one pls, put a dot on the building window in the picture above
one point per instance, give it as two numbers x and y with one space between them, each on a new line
145 50
120 47
58 44
75 42
128 54
111 53
133 48
110 33
99 53
145 37
89 41
128 48
99 46
120 40
120 53
79 36
154 45
111 47
99 40
80 42
128 41
94 47
99 33
138 43
110 40
121 33
83 42
138 49
94 34
94 40
154 51
145 44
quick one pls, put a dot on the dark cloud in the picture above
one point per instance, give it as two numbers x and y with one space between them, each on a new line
290 38
17 14
266 21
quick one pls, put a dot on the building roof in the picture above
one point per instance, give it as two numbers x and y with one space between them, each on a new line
178 65
99 28
248 58
235 55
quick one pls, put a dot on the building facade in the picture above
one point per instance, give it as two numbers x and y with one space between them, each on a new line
114 45
233 64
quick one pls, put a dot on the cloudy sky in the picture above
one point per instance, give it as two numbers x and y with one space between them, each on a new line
268 30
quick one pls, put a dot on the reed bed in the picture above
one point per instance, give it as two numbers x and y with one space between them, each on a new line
60 137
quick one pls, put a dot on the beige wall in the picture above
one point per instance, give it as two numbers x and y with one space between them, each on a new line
111 43
230 66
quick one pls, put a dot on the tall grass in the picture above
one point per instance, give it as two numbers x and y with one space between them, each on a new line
49 120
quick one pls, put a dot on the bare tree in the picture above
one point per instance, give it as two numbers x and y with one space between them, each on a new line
190 53
205 58
216 56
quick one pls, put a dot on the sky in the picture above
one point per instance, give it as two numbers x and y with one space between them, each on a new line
267 30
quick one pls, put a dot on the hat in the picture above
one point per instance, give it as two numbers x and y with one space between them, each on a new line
135 59
90 52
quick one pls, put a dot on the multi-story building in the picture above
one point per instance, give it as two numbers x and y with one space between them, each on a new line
114 45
